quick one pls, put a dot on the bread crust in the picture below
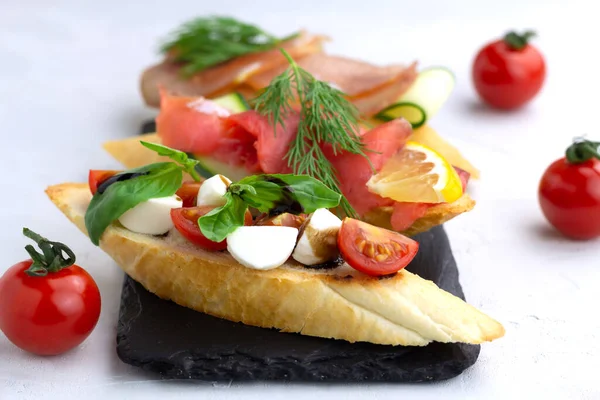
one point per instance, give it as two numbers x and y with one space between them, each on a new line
401 310
131 154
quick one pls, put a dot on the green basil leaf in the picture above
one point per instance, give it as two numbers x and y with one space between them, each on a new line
222 221
160 180
239 188
311 193
265 197
188 164
281 189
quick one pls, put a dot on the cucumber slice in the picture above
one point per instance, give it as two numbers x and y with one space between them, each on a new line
208 167
430 90
412 112
234 102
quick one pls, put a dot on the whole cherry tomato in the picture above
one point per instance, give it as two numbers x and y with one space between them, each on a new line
48 305
508 73
569 191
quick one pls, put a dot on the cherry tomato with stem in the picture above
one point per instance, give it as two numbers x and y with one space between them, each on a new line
48 305
372 250
569 191
509 72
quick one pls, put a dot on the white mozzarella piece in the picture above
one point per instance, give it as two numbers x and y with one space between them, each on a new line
318 241
262 247
212 190
152 217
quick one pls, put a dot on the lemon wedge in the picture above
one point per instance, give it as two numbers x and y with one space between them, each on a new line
417 174
427 136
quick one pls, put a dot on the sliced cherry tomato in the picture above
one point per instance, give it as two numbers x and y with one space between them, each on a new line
372 250
569 192
285 219
509 72
97 176
48 311
189 193
186 222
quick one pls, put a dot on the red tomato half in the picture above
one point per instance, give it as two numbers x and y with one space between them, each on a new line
188 192
569 195
507 76
48 315
186 222
372 250
97 176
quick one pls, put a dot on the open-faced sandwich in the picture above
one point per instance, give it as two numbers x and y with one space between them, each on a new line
292 214
294 266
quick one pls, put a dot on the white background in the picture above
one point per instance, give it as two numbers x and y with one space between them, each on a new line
69 81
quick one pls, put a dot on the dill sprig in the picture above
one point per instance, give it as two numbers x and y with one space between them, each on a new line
208 41
326 117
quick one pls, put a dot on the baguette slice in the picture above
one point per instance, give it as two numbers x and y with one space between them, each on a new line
131 154
340 303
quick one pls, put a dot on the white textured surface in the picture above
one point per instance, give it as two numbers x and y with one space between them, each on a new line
68 81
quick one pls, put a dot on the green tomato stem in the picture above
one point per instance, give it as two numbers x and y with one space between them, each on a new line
518 41
51 259
582 150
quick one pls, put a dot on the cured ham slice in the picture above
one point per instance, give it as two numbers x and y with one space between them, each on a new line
370 87
464 177
190 124
247 139
405 214
271 147
353 77
200 126
224 77
375 100
236 148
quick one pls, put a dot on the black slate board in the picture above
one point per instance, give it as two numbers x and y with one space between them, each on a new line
176 342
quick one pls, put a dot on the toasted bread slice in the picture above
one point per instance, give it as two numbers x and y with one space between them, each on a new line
340 303
131 154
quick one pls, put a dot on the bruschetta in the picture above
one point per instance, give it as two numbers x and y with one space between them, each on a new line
339 303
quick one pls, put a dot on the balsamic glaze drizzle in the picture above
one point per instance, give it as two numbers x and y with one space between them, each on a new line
287 204
118 178
328 265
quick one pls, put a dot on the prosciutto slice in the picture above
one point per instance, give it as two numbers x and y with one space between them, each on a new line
200 126
370 87
271 147
224 77
190 124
